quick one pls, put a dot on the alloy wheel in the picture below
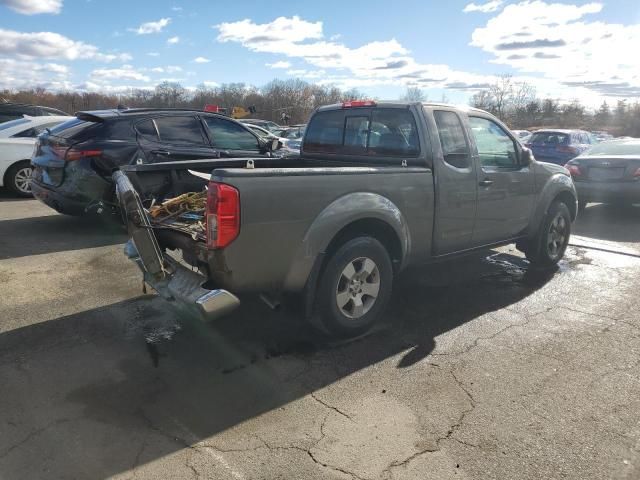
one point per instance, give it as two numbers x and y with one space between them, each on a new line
358 287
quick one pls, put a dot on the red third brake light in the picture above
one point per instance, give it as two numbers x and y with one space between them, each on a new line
358 103
223 215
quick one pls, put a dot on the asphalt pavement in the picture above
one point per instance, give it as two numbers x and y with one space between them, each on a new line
483 369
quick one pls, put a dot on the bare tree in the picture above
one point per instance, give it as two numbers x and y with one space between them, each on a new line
414 94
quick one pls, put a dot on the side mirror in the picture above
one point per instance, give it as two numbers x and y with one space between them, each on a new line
526 156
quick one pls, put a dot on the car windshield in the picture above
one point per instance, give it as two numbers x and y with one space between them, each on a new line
615 148
14 123
552 138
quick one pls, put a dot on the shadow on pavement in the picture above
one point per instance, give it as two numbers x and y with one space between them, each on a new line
55 233
609 222
89 383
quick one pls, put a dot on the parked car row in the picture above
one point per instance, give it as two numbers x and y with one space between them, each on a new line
73 162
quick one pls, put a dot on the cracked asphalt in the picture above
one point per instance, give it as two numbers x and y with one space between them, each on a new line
482 369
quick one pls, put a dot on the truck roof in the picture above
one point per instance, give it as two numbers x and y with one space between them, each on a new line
401 104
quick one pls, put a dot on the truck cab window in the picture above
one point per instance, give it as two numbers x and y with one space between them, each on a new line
356 133
393 133
454 145
495 147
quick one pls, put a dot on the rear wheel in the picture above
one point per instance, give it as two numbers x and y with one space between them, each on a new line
355 287
18 178
552 238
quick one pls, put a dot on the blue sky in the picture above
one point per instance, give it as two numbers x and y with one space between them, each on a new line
566 49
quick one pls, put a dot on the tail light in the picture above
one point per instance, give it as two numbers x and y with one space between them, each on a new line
70 154
74 154
574 170
358 103
223 215
566 149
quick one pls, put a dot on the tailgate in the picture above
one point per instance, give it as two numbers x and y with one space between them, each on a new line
172 280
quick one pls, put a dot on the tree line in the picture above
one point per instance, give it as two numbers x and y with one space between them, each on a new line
517 104
295 98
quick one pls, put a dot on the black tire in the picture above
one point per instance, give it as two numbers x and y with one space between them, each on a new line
334 286
582 205
541 252
15 178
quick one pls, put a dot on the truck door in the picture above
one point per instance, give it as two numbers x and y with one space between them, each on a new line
506 186
456 185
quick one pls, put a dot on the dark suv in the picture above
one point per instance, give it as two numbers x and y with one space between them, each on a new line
73 162
12 111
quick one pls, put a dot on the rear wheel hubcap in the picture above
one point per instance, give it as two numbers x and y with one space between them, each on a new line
556 236
358 287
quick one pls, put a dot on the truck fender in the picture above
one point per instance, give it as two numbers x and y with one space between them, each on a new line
558 185
341 213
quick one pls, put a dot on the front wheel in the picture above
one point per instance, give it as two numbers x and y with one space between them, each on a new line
19 178
552 238
355 287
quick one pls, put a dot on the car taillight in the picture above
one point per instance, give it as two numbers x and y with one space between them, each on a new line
59 150
566 149
74 154
358 103
574 170
223 215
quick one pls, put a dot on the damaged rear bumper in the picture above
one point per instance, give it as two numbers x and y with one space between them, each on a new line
183 288
173 281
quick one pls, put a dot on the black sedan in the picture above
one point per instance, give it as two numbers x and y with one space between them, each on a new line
609 172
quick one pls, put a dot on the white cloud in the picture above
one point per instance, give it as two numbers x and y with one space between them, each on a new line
176 9
125 72
173 40
201 60
279 64
210 84
282 29
29 74
379 62
151 27
491 6
33 7
51 45
153 54
556 41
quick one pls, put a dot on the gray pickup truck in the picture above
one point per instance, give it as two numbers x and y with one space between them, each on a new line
379 186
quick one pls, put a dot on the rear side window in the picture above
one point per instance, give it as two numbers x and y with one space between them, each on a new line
13 123
148 130
228 135
180 130
552 138
325 133
74 129
35 131
380 132
117 130
454 145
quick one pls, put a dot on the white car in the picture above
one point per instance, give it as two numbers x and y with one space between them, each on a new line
17 139
289 147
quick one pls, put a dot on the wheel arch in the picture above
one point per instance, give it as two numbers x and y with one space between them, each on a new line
355 214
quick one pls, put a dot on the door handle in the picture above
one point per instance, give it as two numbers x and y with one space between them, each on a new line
161 152
486 183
